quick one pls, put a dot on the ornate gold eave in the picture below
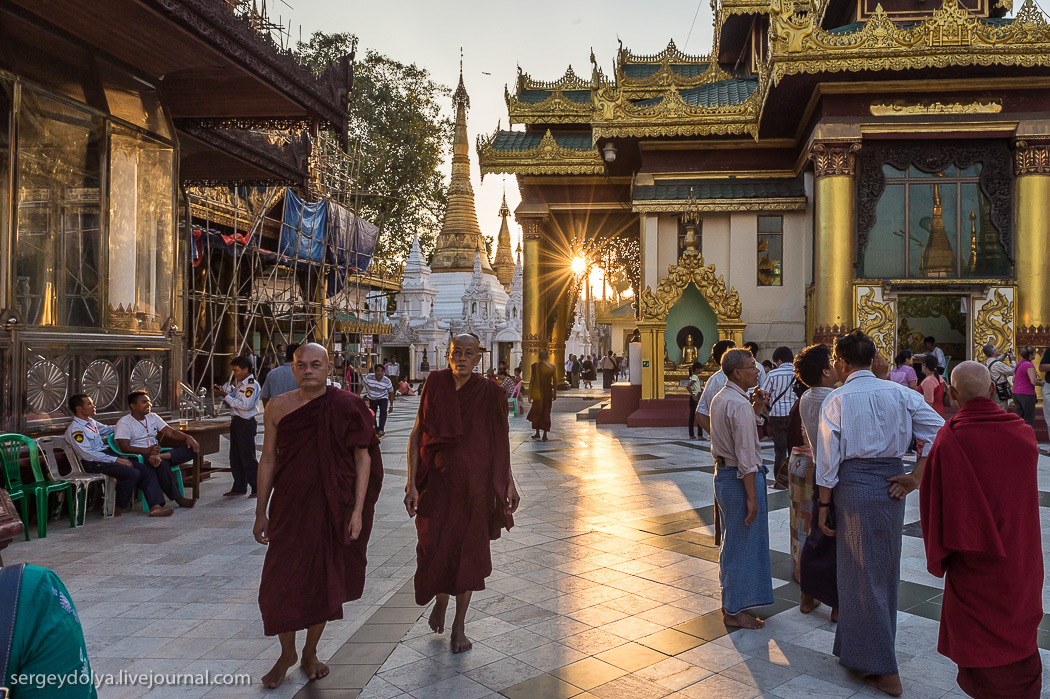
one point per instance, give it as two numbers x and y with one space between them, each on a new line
727 8
677 206
547 158
725 302
950 37
672 116
557 108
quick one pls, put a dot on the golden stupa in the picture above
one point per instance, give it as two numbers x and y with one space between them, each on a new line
504 263
460 237
938 259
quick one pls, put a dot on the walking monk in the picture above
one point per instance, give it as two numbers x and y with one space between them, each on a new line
979 504
321 465
460 488
542 392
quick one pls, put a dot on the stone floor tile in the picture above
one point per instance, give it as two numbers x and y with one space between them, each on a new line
809 687
503 673
631 657
417 674
459 686
666 615
719 687
378 688
550 656
670 642
514 642
588 673
559 628
478 656
933 669
630 687
632 627
674 673
542 687
761 673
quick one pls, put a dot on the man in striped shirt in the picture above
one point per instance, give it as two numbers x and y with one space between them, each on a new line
777 385
714 384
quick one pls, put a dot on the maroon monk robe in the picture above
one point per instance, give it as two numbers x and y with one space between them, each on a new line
312 565
463 477
541 393
979 503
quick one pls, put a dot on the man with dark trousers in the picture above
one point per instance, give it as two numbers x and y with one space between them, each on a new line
778 384
139 433
88 439
242 395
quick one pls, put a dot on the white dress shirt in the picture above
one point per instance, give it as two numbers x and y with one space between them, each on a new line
869 418
734 430
139 433
243 398
712 387
87 438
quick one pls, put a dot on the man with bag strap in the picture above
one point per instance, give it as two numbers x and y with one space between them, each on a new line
1002 374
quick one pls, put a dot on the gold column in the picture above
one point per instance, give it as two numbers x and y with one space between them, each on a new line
533 318
652 332
559 328
1032 241
834 168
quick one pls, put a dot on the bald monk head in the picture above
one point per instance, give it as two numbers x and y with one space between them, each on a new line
464 353
311 367
970 380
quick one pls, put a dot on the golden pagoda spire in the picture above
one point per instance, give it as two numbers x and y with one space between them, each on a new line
504 262
973 241
460 234
938 260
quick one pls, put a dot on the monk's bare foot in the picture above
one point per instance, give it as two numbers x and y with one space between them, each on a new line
460 642
835 615
742 620
276 675
808 604
437 617
889 684
314 668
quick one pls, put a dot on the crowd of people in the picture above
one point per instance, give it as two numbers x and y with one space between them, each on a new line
843 425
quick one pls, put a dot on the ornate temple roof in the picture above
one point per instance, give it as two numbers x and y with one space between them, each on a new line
504 262
530 153
768 194
460 235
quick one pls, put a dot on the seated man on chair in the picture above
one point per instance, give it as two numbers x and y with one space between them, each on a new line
139 433
88 439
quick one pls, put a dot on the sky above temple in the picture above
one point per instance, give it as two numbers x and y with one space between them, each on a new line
544 37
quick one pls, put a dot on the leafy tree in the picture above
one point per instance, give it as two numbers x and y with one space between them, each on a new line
400 136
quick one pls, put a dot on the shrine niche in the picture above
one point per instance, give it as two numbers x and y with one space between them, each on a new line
655 305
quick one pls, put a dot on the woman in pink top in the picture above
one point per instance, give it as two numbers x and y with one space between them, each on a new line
902 372
933 385
1025 380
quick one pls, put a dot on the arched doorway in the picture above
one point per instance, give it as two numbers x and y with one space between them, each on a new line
694 315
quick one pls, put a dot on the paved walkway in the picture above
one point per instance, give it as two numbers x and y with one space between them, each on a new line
607 587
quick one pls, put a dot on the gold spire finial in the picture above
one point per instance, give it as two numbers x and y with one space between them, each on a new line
938 259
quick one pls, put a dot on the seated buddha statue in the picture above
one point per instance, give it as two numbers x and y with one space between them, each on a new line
689 352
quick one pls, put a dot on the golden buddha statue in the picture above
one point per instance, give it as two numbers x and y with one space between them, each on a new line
668 364
689 352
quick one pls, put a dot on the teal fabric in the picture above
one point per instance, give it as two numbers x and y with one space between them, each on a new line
48 641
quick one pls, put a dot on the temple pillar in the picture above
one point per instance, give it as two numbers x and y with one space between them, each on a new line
732 331
533 317
834 166
652 332
559 329
1032 233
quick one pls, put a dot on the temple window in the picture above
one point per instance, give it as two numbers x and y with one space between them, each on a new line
770 250
933 225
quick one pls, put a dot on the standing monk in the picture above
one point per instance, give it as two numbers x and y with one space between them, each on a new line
460 489
542 394
322 465
979 505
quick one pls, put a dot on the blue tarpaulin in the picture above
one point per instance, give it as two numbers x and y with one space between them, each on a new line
304 229
351 242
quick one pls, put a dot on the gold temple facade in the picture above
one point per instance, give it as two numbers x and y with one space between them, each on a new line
852 164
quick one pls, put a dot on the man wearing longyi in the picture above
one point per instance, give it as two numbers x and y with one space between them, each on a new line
321 472
460 488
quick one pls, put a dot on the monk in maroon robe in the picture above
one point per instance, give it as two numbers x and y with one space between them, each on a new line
542 393
979 504
460 488
321 463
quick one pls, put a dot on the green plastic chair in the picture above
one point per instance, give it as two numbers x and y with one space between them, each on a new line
112 442
19 500
11 446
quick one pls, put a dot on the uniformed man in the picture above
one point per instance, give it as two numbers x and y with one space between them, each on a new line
139 433
88 439
242 395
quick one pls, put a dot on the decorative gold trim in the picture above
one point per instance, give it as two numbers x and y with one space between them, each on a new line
878 319
531 226
615 117
547 158
557 108
721 205
716 145
727 8
1032 158
834 159
951 36
691 270
993 322
923 107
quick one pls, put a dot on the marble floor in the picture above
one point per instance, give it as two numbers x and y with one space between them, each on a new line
606 587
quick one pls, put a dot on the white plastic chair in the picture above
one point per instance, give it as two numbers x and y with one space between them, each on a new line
78 478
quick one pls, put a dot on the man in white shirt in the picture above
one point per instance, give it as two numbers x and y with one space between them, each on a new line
865 428
779 386
742 527
242 396
139 433
88 439
1002 373
713 386
380 394
393 371
930 344
696 389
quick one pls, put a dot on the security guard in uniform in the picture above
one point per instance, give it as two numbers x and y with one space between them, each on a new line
242 395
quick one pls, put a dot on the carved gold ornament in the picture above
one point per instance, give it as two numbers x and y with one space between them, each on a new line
878 321
834 159
1031 158
951 36
617 117
994 323
546 158
903 107
690 270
